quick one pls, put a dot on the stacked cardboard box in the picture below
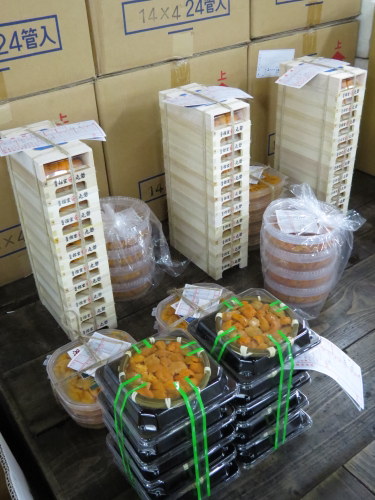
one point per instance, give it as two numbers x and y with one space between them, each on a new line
58 203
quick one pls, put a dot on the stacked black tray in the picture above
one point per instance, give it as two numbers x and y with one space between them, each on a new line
152 440
269 405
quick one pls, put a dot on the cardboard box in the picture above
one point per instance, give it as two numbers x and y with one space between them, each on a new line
268 17
67 105
336 41
129 113
366 144
43 44
136 33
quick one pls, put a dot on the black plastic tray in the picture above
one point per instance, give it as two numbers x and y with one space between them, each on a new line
149 446
220 388
257 452
247 405
247 428
223 470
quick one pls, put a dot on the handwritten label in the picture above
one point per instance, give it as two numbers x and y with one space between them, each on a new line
298 76
327 358
256 173
269 61
297 222
195 298
57 135
208 96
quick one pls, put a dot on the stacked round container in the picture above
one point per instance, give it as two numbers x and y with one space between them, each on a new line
269 404
128 235
165 314
300 269
267 189
168 444
76 391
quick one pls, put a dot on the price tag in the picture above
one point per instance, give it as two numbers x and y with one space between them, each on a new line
327 358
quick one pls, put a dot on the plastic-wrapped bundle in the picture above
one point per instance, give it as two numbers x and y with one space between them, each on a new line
137 249
305 246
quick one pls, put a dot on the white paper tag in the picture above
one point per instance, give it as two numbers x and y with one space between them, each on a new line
217 93
298 76
327 358
331 63
256 173
297 222
104 347
269 61
202 297
58 135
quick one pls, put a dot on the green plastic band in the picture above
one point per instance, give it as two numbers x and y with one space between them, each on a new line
136 349
291 358
281 308
233 339
204 432
193 439
280 393
119 433
200 349
218 337
188 344
146 343
232 299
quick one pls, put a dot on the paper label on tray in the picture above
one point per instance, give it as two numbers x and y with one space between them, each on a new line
269 61
327 358
100 348
298 76
199 296
256 173
58 135
297 222
214 93
330 63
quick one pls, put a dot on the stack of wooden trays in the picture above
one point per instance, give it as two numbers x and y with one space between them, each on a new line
206 159
58 203
317 129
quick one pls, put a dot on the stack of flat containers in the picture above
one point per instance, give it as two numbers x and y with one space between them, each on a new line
58 203
206 160
255 338
317 128
166 437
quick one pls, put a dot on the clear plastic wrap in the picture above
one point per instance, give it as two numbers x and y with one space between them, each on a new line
138 252
305 246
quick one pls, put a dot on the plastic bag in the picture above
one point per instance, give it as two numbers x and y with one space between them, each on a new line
305 246
138 252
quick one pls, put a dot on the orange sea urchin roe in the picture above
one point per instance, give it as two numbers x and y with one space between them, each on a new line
163 364
169 316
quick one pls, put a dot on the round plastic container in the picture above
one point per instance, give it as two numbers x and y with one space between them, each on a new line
131 272
78 392
256 215
298 296
300 279
268 188
129 255
167 320
129 290
254 228
299 261
126 221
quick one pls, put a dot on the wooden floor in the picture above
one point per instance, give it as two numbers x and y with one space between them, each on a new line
333 459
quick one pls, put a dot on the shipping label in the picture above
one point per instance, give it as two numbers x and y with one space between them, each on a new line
148 15
29 37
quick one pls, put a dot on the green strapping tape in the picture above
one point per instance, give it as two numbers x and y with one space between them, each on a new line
232 299
188 344
280 393
291 358
193 439
218 337
146 343
281 308
204 432
118 431
136 349
200 349
233 339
